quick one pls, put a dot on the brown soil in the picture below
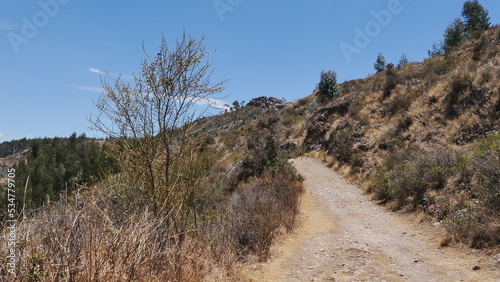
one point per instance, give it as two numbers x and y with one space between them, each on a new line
345 236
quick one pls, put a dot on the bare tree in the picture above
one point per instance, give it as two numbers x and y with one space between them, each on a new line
148 122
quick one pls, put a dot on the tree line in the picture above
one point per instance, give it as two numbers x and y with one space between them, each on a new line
57 166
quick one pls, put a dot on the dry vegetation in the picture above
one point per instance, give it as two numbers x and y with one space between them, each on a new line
182 206
421 137
108 233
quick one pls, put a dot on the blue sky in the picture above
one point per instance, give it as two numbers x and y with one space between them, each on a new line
53 50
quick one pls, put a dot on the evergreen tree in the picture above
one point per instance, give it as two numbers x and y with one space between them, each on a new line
380 63
403 61
327 87
454 35
475 16
437 50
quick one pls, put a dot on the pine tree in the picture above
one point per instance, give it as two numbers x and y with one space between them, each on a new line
403 61
476 17
327 87
454 35
380 63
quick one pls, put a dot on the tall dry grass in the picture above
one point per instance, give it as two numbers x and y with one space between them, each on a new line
107 233
88 239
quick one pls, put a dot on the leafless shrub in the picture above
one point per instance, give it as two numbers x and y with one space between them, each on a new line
262 208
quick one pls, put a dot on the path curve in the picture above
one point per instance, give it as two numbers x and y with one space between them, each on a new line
344 236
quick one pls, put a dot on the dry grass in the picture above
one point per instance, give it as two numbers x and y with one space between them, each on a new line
397 119
109 233
84 241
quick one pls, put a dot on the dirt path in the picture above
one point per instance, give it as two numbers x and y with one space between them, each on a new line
344 236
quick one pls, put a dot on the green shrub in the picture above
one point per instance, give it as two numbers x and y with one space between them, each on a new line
460 83
391 80
487 168
407 173
341 144
437 66
401 103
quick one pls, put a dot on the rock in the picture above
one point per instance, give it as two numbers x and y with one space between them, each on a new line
267 103
289 145
497 257
477 267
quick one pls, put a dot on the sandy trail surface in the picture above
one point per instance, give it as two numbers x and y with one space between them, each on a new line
345 236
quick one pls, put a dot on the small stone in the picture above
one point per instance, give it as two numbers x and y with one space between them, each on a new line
415 259
477 267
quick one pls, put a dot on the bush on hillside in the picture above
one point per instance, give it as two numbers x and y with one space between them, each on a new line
407 173
391 80
487 168
460 83
259 209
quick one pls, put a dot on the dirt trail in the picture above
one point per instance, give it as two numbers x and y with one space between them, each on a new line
344 236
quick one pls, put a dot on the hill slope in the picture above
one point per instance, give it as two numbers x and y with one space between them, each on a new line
424 136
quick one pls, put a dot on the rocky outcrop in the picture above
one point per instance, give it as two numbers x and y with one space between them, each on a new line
267 103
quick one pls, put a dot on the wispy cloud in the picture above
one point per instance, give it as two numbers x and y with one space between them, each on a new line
96 71
2 134
100 72
8 26
215 103
90 88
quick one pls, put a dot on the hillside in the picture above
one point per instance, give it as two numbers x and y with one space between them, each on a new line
421 137
195 201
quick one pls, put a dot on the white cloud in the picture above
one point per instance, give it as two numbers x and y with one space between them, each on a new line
215 103
90 88
96 71
2 134
7 26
